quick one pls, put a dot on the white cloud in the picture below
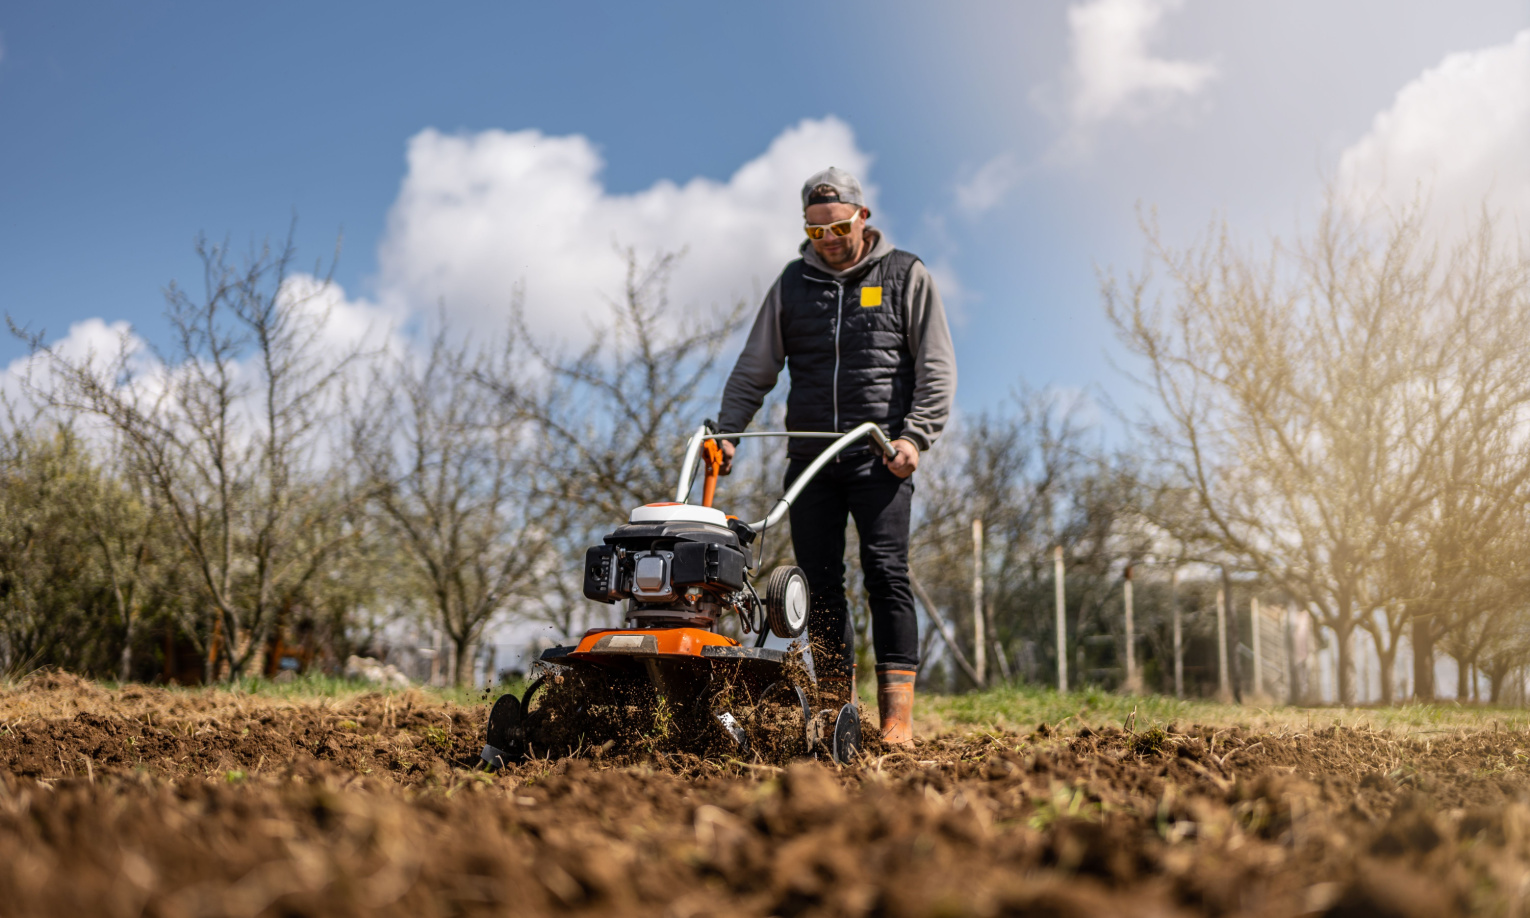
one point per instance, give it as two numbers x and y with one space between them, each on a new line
1113 74
337 326
480 213
338 323
92 341
1459 134
986 187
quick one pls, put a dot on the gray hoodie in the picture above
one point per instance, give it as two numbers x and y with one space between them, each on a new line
929 340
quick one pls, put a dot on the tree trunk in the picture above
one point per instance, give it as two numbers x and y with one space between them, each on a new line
125 661
1345 633
461 666
1496 674
1463 680
1388 662
235 667
210 655
1423 658
124 600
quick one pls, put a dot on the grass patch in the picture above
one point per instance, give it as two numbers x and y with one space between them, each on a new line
1150 741
1023 708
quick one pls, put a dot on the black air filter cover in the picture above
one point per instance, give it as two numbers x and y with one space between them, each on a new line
602 574
702 563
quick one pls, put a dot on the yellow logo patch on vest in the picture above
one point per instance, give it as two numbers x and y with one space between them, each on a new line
871 296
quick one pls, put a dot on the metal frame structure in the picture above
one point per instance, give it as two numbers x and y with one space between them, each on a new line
784 502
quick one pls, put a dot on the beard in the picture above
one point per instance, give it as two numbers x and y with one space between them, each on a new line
840 251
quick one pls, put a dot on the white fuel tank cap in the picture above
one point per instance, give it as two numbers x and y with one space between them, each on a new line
671 512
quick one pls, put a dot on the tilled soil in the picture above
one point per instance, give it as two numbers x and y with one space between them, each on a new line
143 802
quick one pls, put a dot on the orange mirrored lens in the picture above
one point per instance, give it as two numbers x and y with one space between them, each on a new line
839 228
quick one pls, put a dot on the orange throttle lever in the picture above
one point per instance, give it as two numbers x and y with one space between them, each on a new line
712 457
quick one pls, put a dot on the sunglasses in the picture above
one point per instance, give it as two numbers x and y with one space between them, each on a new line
838 227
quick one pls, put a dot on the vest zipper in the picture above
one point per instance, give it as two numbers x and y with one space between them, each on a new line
839 321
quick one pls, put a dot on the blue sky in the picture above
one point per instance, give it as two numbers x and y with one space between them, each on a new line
1010 144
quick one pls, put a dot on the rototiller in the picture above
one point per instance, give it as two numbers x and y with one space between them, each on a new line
680 569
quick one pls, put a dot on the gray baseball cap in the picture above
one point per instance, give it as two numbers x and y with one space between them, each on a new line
832 186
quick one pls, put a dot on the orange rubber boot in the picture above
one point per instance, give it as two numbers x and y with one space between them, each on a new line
895 701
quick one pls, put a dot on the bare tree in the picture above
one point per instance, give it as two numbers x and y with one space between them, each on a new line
1307 400
129 531
1037 476
229 434
613 417
454 466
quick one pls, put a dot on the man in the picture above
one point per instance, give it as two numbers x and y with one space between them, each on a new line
862 330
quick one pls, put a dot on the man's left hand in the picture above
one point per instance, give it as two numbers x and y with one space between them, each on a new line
907 459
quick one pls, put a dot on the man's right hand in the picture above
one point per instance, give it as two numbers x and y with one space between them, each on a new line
727 451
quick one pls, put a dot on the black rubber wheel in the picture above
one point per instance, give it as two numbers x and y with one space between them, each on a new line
787 600
847 735
531 691
505 737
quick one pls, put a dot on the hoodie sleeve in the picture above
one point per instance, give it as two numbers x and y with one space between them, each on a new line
758 366
929 338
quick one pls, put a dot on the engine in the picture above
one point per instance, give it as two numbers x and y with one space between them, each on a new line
674 564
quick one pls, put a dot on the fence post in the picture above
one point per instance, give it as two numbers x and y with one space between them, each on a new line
1253 615
1224 686
1062 621
1179 645
1133 682
979 638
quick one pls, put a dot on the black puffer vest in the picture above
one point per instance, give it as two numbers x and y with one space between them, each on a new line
846 350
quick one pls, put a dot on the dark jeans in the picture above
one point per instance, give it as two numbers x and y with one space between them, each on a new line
858 486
